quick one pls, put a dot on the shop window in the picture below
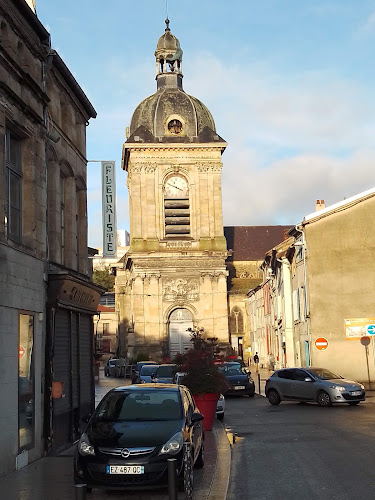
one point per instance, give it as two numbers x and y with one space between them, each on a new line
13 186
26 394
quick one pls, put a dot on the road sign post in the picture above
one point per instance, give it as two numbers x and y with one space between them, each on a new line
365 341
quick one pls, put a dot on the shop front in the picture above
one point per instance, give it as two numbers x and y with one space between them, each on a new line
70 392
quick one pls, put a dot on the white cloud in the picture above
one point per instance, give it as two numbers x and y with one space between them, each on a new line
292 138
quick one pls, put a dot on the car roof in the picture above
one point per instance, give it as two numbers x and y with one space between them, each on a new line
147 366
148 362
224 363
137 387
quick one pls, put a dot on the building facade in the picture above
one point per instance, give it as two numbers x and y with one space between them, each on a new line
46 296
318 285
247 246
174 275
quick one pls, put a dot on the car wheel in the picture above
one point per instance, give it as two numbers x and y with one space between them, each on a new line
220 416
199 464
353 403
273 397
323 399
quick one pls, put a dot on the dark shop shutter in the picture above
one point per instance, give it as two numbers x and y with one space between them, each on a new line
86 360
61 360
75 360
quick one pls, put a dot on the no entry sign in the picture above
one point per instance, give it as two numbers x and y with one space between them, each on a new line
321 344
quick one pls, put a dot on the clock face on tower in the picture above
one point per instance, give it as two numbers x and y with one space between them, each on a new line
176 187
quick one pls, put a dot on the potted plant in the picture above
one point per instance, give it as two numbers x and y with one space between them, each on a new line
202 376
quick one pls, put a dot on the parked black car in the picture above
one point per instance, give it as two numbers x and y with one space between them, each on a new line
239 379
164 374
132 433
137 370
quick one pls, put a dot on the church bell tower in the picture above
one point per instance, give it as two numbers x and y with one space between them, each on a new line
174 276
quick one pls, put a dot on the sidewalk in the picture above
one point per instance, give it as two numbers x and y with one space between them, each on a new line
51 478
260 382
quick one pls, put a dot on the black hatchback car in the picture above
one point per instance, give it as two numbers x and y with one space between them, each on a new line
239 380
132 433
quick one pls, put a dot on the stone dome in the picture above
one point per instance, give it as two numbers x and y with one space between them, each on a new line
171 115
167 41
155 112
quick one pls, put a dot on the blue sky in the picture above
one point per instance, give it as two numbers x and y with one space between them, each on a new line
290 85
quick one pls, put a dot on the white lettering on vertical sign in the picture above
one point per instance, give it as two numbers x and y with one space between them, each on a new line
109 208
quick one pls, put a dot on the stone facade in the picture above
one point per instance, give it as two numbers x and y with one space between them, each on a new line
43 116
314 285
174 275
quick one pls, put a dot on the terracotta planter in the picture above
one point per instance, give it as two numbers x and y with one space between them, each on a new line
206 404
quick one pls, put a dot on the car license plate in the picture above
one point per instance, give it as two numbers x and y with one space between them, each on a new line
356 393
238 387
125 469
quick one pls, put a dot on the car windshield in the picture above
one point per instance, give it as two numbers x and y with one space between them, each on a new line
148 369
323 374
112 362
232 369
166 371
145 405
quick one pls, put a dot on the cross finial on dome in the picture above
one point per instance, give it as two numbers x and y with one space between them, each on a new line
167 21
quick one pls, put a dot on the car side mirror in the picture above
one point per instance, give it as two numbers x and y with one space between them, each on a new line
196 417
85 419
308 379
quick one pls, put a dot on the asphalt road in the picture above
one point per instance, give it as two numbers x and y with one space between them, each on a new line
301 451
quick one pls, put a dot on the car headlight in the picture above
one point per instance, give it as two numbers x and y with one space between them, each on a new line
221 397
84 446
362 387
173 446
338 388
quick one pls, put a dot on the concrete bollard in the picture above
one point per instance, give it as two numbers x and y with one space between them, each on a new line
258 383
80 491
172 478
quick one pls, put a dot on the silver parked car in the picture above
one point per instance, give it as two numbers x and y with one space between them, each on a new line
312 384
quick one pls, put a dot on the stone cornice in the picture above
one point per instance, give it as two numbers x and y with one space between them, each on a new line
210 146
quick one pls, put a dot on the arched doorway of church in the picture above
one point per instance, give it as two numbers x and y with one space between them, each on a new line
179 338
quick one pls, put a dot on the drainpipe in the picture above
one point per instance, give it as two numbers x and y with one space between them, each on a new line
307 305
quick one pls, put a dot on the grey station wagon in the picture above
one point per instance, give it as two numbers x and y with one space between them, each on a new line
312 384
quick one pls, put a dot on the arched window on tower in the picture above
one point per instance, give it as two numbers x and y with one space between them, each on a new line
236 321
176 207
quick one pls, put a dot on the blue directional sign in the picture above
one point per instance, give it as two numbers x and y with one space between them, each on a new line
370 329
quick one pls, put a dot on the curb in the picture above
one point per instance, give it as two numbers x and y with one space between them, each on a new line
220 481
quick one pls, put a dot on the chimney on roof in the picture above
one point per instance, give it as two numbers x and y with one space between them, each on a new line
319 205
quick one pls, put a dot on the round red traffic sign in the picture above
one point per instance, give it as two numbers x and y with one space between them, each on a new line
365 341
321 344
21 351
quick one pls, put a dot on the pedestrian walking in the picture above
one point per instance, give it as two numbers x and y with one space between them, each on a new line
256 361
